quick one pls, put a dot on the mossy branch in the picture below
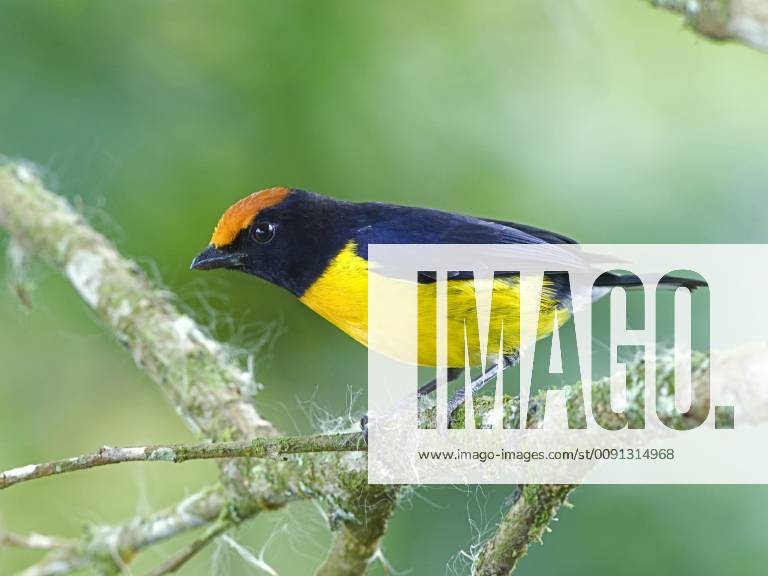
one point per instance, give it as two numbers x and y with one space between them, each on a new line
107 549
177 453
211 390
175 562
744 21
534 506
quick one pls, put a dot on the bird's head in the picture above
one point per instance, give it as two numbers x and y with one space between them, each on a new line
283 235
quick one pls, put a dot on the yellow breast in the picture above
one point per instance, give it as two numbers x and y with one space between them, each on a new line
340 296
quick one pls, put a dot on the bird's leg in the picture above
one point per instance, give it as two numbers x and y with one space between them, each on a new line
431 386
478 383
364 427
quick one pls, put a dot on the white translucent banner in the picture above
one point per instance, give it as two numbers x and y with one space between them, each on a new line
655 358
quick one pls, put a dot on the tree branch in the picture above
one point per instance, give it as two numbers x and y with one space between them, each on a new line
359 537
34 541
744 21
177 453
202 377
199 374
534 506
182 557
107 549
532 510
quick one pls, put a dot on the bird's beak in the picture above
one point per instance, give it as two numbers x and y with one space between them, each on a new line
213 257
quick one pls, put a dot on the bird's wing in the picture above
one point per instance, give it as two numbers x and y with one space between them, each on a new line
547 235
387 224
390 224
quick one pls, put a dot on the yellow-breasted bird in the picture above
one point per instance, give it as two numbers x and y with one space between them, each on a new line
317 248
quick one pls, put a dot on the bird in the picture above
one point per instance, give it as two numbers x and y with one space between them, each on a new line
316 247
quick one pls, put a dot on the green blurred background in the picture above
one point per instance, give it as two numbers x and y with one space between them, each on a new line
605 120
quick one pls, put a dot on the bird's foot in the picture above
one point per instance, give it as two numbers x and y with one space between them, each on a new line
364 427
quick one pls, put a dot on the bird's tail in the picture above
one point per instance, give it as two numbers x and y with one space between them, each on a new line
631 281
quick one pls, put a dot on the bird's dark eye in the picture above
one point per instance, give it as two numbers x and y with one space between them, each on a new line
262 232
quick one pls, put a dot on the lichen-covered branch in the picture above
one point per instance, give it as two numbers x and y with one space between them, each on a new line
528 517
212 391
257 448
743 21
534 506
178 560
358 539
34 541
108 549
201 376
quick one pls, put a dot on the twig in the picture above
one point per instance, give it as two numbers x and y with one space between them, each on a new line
744 21
54 566
106 549
34 541
183 556
177 453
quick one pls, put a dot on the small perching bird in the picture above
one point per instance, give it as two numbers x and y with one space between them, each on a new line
317 248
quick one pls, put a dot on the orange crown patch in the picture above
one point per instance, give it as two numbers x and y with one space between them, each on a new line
242 213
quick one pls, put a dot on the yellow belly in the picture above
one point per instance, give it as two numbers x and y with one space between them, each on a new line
340 296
